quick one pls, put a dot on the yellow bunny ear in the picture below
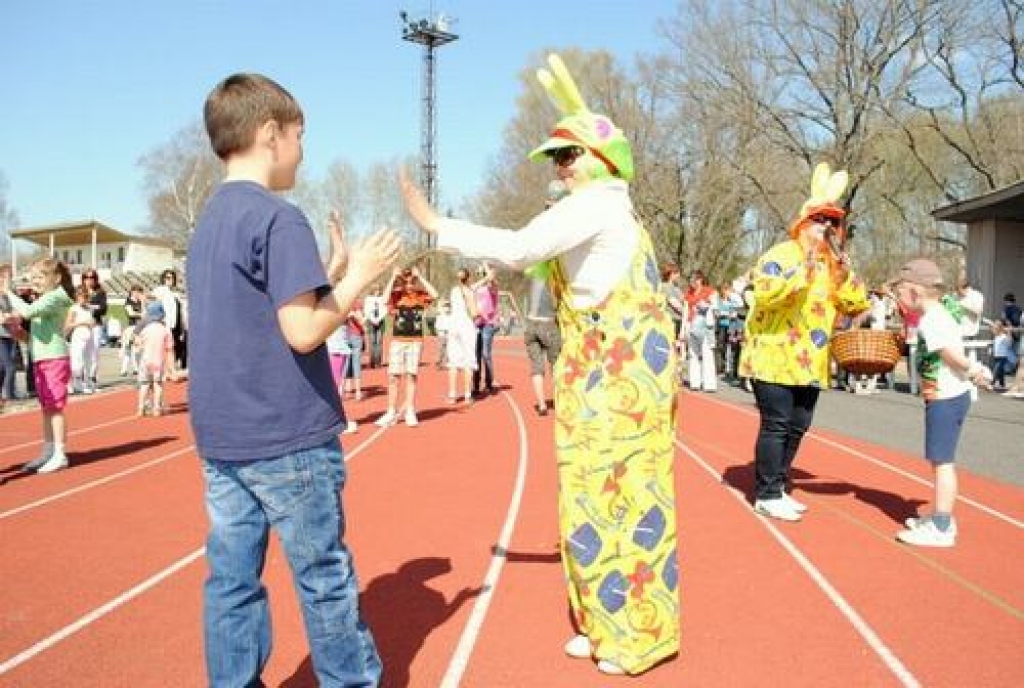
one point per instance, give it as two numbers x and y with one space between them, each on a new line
836 186
819 180
560 87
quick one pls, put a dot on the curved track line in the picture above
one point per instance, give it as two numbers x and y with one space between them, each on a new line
95 483
902 674
885 465
127 596
75 433
470 634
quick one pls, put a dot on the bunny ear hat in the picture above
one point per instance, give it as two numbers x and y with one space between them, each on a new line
579 126
827 188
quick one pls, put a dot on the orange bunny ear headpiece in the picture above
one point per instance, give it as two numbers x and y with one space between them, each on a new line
826 189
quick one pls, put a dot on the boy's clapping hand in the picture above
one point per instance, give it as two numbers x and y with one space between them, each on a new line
372 256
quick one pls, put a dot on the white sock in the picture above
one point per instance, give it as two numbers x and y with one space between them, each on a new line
58 448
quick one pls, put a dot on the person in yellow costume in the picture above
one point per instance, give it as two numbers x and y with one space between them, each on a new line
615 387
800 286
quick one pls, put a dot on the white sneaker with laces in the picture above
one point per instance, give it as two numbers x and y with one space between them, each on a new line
388 419
56 462
579 647
776 508
925 533
918 521
410 418
796 506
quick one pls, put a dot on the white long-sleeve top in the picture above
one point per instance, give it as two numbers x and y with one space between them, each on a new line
593 232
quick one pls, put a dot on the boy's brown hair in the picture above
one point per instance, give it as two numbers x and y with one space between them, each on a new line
238 106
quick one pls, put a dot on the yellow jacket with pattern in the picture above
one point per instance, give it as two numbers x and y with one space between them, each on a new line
789 329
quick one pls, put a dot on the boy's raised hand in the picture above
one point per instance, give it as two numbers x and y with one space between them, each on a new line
339 250
372 256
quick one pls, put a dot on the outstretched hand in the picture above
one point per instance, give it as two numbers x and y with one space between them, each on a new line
416 204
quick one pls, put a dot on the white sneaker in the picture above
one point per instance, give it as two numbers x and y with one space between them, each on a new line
388 419
918 521
776 508
926 534
579 647
796 506
351 428
410 418
56 462
610 668
34 464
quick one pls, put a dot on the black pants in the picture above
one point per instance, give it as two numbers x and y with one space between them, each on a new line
786 414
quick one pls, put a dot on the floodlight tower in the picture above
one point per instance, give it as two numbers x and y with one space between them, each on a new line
431 32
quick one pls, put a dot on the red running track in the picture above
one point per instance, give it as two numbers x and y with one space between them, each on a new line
453 525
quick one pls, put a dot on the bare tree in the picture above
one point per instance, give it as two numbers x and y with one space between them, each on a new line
779 85
179 176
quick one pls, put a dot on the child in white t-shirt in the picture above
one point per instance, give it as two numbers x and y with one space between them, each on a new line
947 379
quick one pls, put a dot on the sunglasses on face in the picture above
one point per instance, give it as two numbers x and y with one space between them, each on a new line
826 220
566 156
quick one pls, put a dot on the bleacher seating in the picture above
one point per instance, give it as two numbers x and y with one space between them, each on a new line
117 285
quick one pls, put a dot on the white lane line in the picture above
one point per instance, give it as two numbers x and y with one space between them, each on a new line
881 463
888 657
74 433
470 634
98 613
122 599
95 483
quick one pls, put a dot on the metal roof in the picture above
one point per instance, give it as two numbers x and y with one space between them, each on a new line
1006 203
80 232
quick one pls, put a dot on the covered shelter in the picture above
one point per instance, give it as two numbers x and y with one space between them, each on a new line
995 242
91 243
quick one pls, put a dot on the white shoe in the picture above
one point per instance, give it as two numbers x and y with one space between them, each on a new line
796 506
410 418
611 668
34 464
776 508
351 428
56 462
579 647
926 534
918 521
388 419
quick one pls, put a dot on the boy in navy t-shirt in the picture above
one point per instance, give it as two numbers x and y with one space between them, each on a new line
264 409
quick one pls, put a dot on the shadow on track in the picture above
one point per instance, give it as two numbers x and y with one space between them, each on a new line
402 611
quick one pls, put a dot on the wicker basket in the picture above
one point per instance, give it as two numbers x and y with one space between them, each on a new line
866 352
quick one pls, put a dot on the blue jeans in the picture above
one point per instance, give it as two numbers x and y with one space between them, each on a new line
8 352
376 333
299 495
786 414
484 358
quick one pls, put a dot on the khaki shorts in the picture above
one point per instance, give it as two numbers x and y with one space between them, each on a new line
404 357
543 341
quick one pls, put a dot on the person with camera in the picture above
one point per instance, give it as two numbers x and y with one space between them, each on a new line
409 295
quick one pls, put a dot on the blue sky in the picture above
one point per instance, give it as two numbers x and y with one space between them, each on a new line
89 86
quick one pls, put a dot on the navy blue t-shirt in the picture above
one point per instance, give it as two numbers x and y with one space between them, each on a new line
250 395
